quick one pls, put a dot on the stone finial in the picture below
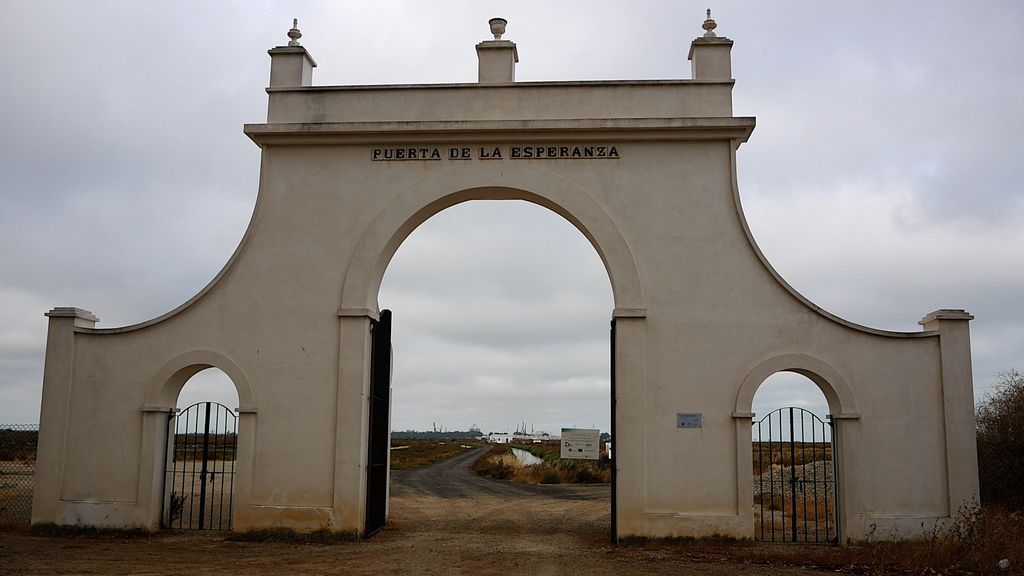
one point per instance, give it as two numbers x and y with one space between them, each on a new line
497 27
709 26
294 33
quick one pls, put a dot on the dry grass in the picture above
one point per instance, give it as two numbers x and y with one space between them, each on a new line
973 543
425 452
501 464
497 463
768 454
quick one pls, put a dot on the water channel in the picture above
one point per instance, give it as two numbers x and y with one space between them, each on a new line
525 458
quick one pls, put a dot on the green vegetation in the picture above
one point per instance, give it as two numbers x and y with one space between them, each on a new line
501 464
406 454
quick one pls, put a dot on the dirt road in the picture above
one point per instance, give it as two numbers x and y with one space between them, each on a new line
451 479
444 520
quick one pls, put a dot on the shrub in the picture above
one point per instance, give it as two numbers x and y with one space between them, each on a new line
551 476
501 464
1000 421
588 475
497 463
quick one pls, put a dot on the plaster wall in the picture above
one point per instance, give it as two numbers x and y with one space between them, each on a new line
520 101
701 319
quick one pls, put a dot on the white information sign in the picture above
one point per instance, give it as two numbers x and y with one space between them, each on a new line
581 443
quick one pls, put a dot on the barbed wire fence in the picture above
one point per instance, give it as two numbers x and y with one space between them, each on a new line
17 472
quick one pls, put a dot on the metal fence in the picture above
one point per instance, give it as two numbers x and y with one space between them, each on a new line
17 472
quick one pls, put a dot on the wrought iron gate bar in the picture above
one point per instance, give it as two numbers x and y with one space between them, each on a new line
379 425
613 463
814 471
760 479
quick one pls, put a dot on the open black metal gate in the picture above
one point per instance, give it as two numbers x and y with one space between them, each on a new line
380 425
617 446
202 444
794 478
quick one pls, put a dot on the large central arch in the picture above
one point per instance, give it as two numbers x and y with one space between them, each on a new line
411 207
414 206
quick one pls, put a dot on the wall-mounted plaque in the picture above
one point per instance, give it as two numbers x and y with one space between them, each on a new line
690 420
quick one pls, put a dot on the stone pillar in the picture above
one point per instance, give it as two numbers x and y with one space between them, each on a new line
848 508
58 373
744 470
242 498
630 458
291 65
958 404
153 463
710 55
352 432
497 57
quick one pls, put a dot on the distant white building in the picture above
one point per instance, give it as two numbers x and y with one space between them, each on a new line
500 438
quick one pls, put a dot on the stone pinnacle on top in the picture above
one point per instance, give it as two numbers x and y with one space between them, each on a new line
294 33
709 26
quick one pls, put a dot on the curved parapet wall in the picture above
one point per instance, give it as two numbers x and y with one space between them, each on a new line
646 171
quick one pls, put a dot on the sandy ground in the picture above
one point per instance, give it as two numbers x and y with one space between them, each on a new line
443 520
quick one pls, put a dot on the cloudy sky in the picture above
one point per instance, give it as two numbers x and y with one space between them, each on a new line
883 180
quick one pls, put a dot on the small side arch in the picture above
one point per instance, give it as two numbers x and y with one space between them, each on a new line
840 398
162 391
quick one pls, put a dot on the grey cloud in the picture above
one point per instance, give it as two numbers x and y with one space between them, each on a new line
883 179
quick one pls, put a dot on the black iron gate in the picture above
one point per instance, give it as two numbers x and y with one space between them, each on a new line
794 478
380 425
617 446
202 444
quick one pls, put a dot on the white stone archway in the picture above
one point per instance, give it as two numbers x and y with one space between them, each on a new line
646 170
